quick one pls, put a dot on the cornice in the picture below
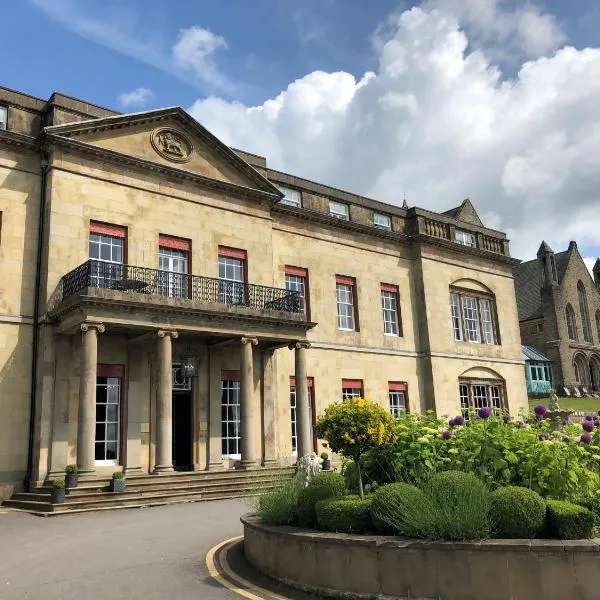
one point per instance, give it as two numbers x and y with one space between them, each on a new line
20 140
149 166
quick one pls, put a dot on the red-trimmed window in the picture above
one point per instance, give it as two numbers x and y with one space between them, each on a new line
174 265
296 280
230 414
347 306
398 398
390 306
352 388
233 270
107 251
310 382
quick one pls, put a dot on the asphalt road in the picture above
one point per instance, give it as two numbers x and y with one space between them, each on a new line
156 553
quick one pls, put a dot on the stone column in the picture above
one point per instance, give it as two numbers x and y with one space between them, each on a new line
164 402
86 433
269 403
303 424
249 411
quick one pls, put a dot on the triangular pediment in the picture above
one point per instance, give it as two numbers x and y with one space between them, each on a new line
465 212
168 137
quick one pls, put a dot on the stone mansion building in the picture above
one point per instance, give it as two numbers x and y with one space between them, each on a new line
559 314
169 302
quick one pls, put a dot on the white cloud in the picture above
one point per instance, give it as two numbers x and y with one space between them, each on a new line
138 98
439 122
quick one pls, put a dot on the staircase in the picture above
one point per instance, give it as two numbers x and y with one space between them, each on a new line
152 490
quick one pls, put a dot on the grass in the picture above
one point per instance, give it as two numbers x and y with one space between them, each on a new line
576 404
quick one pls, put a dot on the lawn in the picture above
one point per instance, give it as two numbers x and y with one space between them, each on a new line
576 404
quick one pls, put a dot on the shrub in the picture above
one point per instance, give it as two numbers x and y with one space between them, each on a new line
278 506
516 512
322 486
344 515
404 509
58 484
592 503
118 475
324 455
461 505
71 469
568 521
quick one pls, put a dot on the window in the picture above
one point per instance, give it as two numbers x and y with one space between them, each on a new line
339 210
477 394
390 307
571 323
296 280
352 388
397 391
230 414
585 316
310 399
173 262
3 117
466 238
345 292
382 221
108 414
232 275
107 253
291 197
473 317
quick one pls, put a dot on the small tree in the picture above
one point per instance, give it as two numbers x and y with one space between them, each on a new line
354 426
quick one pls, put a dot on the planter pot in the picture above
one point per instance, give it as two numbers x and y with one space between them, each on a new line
58 496
117 485
326 465
71 480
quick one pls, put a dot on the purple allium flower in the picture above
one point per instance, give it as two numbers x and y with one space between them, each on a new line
459 420
586 438
566 420
540 410
588 426
451 423
447 434
589 418
484 412
506 418
544 436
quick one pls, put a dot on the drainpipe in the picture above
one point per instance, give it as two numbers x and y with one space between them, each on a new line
36 317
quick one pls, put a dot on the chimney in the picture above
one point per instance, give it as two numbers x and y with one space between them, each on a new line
545 255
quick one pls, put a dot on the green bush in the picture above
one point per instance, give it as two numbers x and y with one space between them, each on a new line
568 521
403 509
118 475
349 514
71 469
322 486
516 512
278 506
592 503
461 503
58 484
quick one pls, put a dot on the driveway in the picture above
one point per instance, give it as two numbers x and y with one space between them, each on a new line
147 554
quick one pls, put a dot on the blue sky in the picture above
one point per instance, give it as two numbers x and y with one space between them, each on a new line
355 94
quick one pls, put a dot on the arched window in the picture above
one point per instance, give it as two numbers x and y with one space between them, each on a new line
598 324
583 310
571 323
576 370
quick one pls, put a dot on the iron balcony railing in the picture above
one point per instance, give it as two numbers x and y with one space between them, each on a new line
140 280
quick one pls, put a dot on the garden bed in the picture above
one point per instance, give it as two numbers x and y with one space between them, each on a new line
367 566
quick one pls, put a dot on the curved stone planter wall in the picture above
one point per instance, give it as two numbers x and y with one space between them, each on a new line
389 567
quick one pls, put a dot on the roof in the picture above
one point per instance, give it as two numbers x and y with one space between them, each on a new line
528 282
530 353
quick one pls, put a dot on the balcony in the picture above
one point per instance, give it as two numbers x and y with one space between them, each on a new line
151 287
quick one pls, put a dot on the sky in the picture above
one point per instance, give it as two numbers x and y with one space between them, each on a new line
433 101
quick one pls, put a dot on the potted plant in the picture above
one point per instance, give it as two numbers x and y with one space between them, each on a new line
118 482
71 476
326 462
58 491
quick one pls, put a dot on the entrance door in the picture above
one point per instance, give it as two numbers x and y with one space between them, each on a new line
182 431
108 415
173 264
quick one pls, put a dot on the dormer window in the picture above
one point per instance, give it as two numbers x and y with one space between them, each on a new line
339 210
3 116
466 238
382 221
291 197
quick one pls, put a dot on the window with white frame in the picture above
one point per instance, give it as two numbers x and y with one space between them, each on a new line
382 221
397 399
345 304
478 394
3 117
232 276
173 276
291 197
296 281
230 418
108 400
106 250
339 210
294 414
389 307
473 317
466 238
352 388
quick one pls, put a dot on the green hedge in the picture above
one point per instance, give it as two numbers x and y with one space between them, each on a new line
593 504
349 514
278 506
568 521
322 486
516 512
